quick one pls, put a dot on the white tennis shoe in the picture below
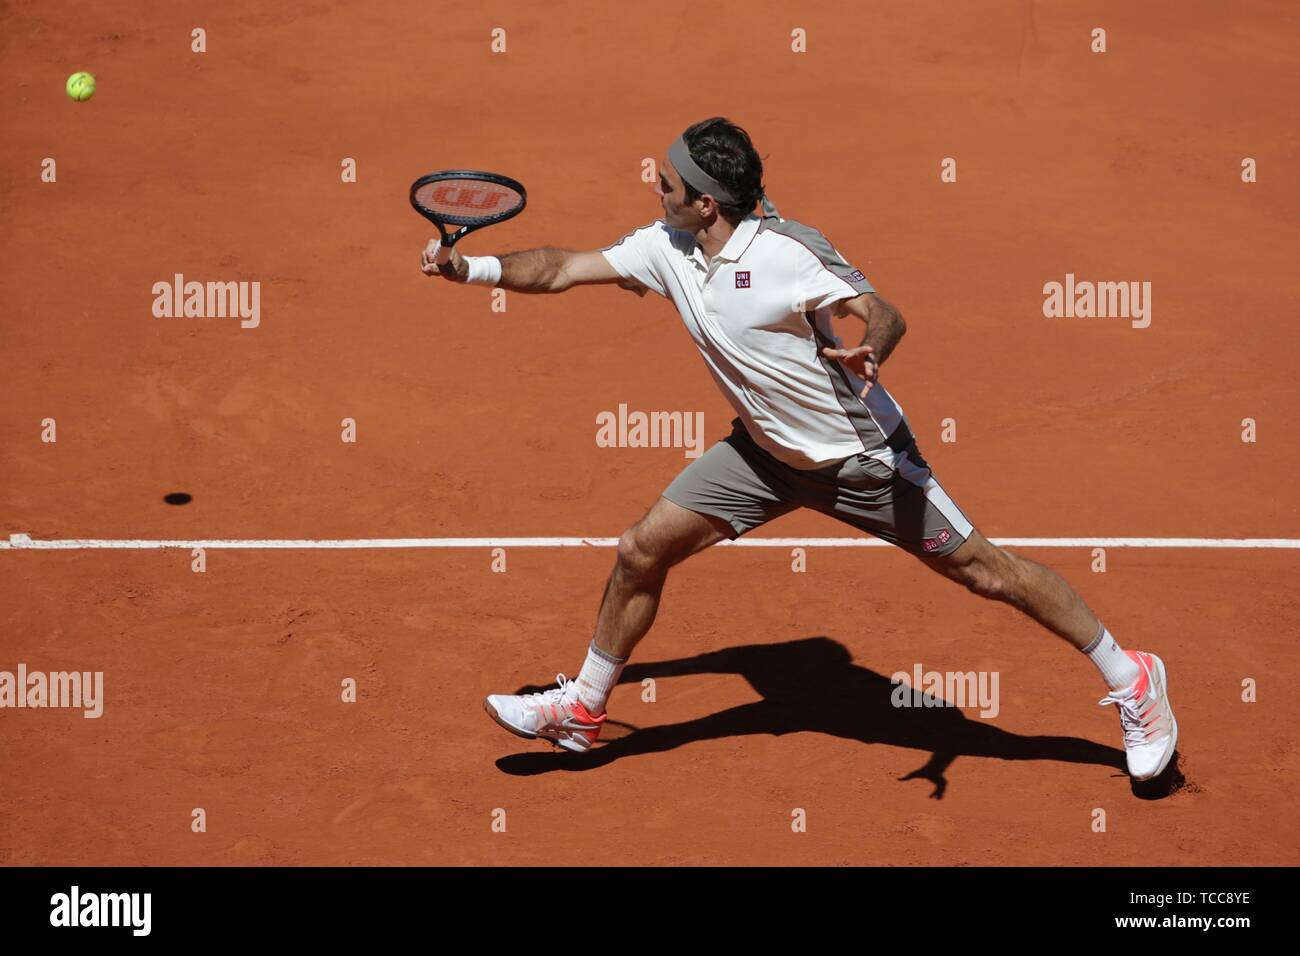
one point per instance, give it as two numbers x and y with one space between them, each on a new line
556 715
1150 730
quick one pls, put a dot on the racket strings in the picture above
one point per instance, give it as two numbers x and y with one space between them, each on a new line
467 201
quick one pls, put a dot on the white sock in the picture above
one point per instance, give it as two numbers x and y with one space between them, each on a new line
1117 668
597 678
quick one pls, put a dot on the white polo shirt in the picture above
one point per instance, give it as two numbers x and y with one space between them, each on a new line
760 314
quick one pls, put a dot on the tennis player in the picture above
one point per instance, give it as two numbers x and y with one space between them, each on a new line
815 428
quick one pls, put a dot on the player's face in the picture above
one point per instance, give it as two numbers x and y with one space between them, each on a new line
678 214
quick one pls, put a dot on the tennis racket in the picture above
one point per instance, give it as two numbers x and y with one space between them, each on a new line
466 198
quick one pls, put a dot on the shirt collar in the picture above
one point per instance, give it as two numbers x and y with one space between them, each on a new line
740 239
736 243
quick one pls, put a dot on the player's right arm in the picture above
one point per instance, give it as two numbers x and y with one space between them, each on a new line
536 270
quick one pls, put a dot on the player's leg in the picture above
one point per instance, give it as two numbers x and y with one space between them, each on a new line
905 505
667 535
729 491
992 572
571 714
723 494
1136 679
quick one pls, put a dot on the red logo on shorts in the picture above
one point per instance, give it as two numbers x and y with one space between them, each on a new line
742 280
933 544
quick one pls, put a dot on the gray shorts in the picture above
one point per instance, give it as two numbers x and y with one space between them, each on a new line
738 481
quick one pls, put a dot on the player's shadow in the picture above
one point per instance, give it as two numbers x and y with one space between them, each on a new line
813 685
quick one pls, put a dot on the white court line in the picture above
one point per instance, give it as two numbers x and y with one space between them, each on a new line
22 542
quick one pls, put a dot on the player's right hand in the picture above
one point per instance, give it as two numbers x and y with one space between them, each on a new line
455 268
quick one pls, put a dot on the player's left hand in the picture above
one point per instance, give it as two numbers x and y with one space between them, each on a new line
861 361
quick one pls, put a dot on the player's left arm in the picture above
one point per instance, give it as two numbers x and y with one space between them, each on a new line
885 326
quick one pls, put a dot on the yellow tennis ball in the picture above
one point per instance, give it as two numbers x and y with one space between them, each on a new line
81 86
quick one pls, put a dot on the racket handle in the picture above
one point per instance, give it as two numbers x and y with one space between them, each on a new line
442 256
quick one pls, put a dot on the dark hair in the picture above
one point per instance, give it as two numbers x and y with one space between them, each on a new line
724 151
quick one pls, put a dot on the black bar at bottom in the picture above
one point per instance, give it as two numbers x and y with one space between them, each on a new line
334 905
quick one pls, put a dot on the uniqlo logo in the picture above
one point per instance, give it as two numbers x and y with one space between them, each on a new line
933 544
742 280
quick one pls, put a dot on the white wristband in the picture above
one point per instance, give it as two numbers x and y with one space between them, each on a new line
483 270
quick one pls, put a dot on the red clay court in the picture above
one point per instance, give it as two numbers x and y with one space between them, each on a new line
222 688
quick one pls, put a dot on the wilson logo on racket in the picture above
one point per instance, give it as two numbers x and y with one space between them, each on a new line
468 198
742 280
